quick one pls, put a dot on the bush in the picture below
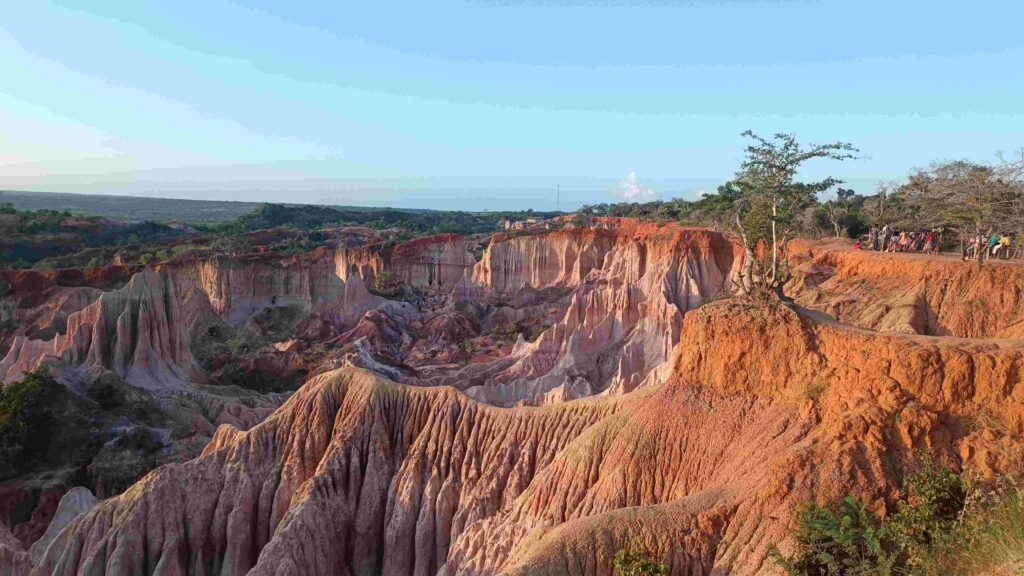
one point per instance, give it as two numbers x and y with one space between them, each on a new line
844 538
26 420
635 561
840 539
925 521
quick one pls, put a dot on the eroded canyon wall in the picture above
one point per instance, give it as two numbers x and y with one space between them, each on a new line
141 331
617 292
916 294
764 409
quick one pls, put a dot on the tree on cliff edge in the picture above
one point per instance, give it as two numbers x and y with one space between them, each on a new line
770 201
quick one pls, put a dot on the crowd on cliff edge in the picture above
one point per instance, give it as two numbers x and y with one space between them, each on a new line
925 241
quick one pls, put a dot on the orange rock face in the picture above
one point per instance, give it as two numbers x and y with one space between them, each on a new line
709 423
941 296
764 409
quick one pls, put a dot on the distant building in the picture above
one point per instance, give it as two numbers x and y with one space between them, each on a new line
532 222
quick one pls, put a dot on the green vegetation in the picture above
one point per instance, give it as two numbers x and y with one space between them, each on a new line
29 236
770 201
968 198
635 561
130 208
26 419
943 524
415 222
32 232
233 354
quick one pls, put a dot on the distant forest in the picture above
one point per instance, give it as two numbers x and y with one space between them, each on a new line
414 222
67 230
232 217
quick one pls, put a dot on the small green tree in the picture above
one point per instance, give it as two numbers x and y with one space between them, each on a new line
635 561
770 202
26 419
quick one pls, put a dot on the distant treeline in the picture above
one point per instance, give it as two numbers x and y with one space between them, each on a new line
130 208
414 222
847 214
958 196
30 236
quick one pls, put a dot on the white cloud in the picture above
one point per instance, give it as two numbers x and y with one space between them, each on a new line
632 190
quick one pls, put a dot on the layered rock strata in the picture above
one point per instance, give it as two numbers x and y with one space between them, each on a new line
765 408
615 294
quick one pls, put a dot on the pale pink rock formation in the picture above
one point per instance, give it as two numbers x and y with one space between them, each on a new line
73 504
141 331
627 287
14 560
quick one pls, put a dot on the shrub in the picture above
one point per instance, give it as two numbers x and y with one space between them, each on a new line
635 561
844 538
26 419
924 523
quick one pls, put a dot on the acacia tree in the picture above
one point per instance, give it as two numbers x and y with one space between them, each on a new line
770 201
886 206
1011 171
840 208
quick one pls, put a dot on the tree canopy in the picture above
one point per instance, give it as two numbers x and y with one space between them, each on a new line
770 201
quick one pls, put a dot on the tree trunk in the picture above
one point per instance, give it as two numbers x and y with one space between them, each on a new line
746 279
746 276
979 253
775 241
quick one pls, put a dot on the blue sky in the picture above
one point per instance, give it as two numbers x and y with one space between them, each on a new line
490 104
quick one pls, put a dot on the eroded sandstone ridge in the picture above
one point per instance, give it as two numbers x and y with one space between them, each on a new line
602 306
574 391
614 294
156 357
917 295
764 408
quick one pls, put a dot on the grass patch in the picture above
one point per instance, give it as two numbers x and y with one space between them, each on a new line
992 534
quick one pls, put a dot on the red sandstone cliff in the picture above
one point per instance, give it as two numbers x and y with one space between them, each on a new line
751 410
615 294
936 295
141 331
763 410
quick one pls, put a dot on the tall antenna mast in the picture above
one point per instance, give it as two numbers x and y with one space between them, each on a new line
558 198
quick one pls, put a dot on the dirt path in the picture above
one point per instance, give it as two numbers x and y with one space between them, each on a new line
840 245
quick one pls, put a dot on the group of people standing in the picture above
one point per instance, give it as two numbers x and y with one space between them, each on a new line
924 241
996 246
886 239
